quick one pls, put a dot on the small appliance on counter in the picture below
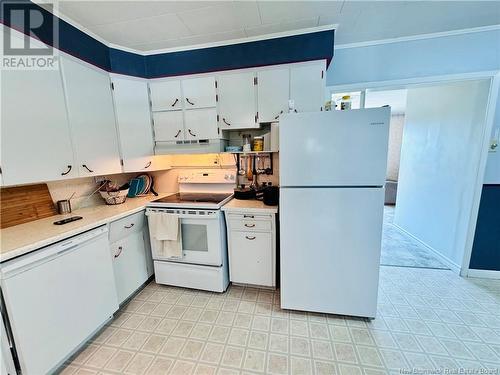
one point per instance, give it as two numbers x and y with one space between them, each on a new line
244 193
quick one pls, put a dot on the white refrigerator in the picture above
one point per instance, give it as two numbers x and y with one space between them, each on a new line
332 175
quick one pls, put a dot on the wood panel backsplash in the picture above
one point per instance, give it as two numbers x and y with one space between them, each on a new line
22 204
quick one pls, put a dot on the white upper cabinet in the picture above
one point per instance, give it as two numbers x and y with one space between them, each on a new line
273 92
199 92
36 141
166 95
307 86
237 100
201 124
92 118
168 126
134 123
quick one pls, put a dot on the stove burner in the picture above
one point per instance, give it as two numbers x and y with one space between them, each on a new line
194 198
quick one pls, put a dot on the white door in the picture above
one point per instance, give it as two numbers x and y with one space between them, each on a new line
334 148
92 118
307 87
237 100
273 91
129 264
36 140
330 249
201 124
166 95
168 126
134 123
199 92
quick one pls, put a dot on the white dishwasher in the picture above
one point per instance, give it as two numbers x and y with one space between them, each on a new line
57 297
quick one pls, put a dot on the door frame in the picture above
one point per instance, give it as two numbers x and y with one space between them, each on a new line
494 77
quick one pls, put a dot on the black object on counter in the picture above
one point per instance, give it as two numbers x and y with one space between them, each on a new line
68 220
271 196
244 193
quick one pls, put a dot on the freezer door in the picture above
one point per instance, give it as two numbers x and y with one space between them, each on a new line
335 148
330 249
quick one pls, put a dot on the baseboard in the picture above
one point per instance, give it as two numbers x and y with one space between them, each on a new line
448 262
483 274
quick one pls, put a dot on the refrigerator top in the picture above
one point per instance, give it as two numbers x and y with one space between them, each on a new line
334 148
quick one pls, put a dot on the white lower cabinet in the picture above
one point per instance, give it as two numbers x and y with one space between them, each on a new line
252 249
131 254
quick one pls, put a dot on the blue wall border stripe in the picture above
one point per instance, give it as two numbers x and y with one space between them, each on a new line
281 50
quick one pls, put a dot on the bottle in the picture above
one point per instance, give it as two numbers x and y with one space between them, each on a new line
345 104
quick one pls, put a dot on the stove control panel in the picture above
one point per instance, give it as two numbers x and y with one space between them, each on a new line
207 176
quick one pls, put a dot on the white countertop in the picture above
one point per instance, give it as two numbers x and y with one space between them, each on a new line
249 205
24 238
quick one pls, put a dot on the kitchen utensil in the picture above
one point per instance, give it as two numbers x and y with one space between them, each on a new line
249 171
243 167
68 220
244 193
63 206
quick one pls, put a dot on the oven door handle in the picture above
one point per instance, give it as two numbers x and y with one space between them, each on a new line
189 216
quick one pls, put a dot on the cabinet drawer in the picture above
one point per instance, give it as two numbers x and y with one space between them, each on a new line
250 225
251 258
123 227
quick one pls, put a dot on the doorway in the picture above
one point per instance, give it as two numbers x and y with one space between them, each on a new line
435 139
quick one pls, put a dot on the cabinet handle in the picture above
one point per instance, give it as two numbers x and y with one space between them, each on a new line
250 238
190 132
249 216
225 122
128 226
278 115
148 165
189 101
87 168
249 225
296 111
179 132
120 249
175 102
69 170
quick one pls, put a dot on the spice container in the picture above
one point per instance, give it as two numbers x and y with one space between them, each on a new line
258 143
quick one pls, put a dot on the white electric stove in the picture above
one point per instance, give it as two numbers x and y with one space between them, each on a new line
204 262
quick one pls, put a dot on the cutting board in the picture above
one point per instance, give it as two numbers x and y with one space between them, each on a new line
23 204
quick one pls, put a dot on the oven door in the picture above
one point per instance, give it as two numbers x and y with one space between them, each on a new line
201 236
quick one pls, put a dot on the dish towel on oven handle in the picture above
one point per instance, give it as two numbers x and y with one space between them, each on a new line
166 229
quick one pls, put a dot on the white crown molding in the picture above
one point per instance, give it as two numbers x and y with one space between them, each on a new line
232 41
417 37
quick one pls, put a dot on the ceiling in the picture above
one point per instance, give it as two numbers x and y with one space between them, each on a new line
153 25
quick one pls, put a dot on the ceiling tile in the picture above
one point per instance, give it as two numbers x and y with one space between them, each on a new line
282 11
165 27
281 27
227 17
89 13
190 41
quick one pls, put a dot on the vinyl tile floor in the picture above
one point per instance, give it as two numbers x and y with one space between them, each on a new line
427 320
400 249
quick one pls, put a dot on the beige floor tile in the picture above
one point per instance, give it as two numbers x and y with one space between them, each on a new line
322 349
85 371
219 334
192 349
261 323
345 352
133 321
104 335
119 337
183 328
233 356
369 356
166 326
255 360
146 308
192 313
325 368
349 370
182 367
225 318
277 363
258 340
319 331
203 369
149 324
300 366
278 343
85 354
173 346
279 326
212 353
135 341
209 316
69 370
300 346
201 331
139 364
299 328
160 366
238 337
161 310
119 361
154 343
243 320
100 357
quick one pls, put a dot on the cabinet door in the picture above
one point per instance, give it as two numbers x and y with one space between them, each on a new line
237 102
250 258
36 141
273 91
92 118
168 126
166 95
134 123
129 265
201 124
199 92
307 87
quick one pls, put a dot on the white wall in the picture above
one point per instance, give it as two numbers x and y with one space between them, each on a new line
492 174
440 155
395 141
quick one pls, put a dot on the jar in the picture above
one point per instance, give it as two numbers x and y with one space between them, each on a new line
258 143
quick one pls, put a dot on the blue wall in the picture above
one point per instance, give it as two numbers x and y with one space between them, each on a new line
305 47
464 53
486 249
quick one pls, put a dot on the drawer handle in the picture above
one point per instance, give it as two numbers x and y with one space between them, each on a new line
174 103
65 173
249 225
249 216
189 101
225 122
128 226
120 249
87 168
179 132
148 165
250 238
190 132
